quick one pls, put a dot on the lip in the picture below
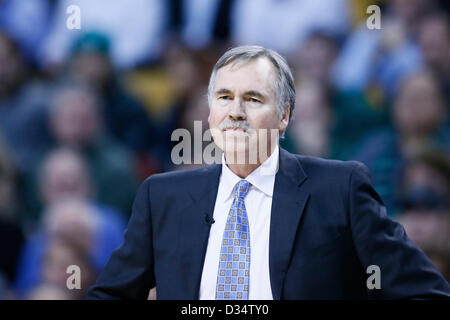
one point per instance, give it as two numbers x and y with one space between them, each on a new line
235 129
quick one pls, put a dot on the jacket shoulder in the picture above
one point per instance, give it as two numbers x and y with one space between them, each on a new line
332 170
182 178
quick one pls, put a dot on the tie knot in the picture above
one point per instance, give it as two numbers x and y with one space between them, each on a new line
241 189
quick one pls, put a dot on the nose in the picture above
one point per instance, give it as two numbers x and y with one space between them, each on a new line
237 111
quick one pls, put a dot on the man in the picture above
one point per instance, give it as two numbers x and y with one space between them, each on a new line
281 227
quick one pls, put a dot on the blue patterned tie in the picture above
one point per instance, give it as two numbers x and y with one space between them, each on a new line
234 264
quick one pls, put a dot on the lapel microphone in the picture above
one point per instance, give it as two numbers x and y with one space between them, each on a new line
209 219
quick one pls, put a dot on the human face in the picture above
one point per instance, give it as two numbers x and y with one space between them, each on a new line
75 120
244 108
418 109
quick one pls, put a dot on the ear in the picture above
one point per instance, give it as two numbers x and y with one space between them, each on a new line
284 121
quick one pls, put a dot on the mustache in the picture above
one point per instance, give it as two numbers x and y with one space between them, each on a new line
228 123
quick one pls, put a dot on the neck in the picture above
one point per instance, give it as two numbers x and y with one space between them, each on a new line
242 170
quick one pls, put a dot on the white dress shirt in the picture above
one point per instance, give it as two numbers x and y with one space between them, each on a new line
258 203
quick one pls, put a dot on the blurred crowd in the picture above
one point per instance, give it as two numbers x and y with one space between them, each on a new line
87 114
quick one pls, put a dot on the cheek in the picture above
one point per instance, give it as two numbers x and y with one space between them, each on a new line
216 116
266 120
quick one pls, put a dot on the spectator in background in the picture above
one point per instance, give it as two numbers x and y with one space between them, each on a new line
380 59
284 25
419 112
314 62
136 30
65 173
310 130
418 115
27 22
315 58
11 234
441 259
49 292
124 117
182 67
75 122
22 110
61 253
312 118
13 69
202 22
434 39
427 175
8 180
72 219
196 110
181 64
424 204
428 226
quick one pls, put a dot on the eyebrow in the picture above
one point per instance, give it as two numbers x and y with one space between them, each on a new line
223 91
253 93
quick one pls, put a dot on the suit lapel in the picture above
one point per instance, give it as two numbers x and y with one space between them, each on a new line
288 203
194 231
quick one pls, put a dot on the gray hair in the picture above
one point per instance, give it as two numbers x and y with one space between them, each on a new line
284 83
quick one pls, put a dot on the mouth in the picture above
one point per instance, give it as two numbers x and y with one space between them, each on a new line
234 129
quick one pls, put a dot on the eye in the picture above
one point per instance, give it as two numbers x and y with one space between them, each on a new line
225 98
253 100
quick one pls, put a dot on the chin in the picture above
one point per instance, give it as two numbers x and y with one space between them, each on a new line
233 146
242 146
241 153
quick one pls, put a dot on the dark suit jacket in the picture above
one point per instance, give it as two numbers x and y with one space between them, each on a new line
327 226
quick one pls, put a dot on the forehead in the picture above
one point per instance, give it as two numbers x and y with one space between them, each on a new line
256 74
417 85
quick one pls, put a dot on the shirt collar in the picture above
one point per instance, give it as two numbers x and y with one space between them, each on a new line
262 178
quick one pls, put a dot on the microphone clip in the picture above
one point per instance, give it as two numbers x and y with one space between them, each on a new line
209 219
